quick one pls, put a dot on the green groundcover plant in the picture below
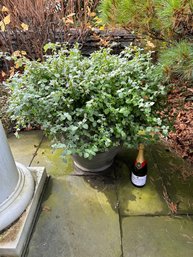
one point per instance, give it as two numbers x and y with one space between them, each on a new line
89 104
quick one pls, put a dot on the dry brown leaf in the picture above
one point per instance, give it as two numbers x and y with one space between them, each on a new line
46 208
24 26
4 9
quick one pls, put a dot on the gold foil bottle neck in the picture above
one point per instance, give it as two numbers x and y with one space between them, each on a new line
141 147
140 157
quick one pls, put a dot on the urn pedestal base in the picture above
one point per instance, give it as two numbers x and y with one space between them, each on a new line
13 240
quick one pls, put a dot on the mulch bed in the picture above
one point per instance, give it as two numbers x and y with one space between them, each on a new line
181 139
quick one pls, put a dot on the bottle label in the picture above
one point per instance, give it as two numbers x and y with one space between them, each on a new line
138 181
139 165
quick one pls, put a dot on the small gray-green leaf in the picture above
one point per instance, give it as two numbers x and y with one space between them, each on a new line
85 126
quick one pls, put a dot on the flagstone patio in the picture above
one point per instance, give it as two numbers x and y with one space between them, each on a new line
106 216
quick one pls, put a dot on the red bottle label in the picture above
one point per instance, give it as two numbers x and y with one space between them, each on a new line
139 165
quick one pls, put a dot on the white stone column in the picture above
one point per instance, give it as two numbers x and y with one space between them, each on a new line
8 170
16 185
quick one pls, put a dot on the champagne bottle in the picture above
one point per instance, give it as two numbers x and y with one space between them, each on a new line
139 171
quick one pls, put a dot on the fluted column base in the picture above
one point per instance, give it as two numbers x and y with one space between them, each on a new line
14 239
16 203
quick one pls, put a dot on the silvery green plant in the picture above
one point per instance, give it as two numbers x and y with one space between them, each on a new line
89 104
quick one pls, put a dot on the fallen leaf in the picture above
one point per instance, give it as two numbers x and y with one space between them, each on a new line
150 44
70 15
104 42
102 28
12 71
16 53
5 22
46 208
17 65
4 9
173 207
7 19
2 26
3 74
92 14
68 20
23 53
24 26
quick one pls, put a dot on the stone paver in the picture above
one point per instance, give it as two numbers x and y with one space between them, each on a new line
52 160
86 216
137 201
178 178
157 237
24 147
79 219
